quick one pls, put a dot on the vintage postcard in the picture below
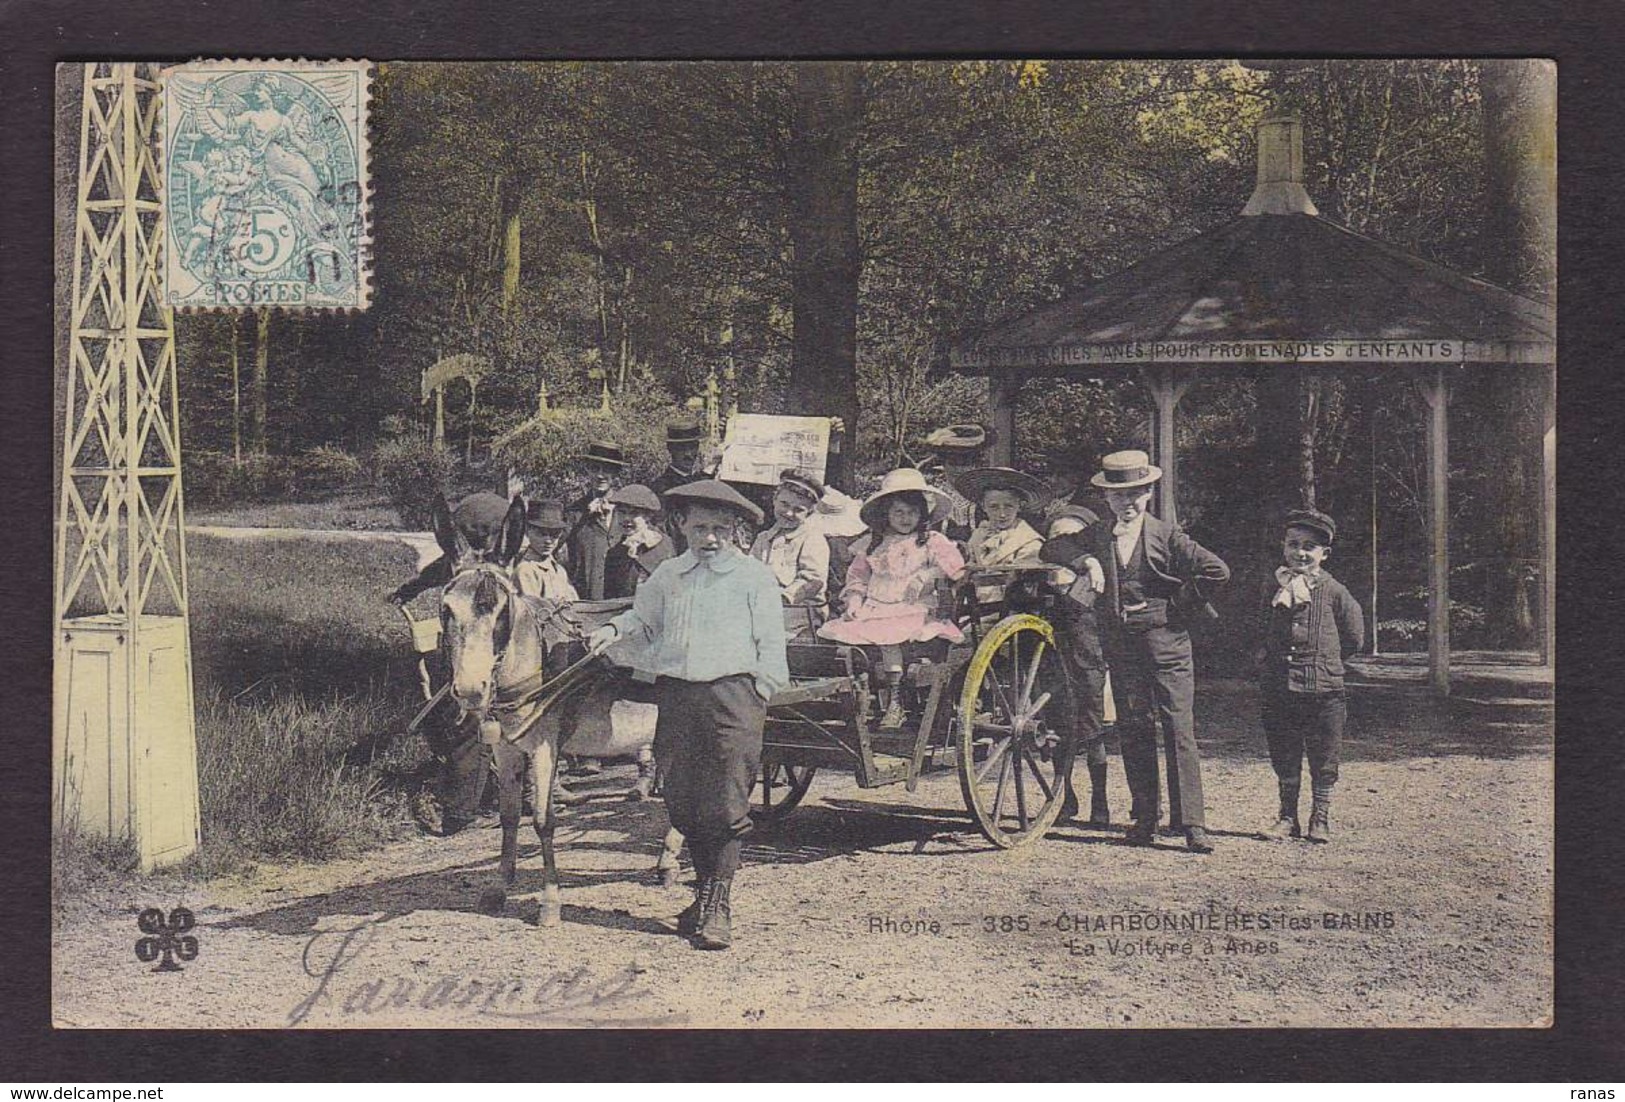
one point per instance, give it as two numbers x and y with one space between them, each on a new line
898 544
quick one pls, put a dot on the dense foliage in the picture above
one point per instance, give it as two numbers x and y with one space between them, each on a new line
627 230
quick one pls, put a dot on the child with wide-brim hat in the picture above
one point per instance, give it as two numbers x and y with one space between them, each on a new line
890 595
1002 493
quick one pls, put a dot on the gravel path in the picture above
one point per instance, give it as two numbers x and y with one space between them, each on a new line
886 909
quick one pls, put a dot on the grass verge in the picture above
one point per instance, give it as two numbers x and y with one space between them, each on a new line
304 681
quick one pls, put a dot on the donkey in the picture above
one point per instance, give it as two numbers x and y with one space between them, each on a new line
497 644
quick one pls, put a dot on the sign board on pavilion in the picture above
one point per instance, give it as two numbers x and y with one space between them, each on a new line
758 446
1213 352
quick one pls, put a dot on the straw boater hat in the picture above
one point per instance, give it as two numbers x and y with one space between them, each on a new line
635 496
900 481
961 437
804 484
974 483
546 516
604 453
1126 470
1315 521
709 491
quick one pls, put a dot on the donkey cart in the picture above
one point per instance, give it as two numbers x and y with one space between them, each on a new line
999 708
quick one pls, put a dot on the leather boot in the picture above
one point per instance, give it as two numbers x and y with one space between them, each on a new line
1069 803
1320 814
1100 813
1143 832
1286 820
645 786
716 916
688 922
1196 840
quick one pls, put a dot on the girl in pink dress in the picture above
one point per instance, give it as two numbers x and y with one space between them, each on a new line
890 593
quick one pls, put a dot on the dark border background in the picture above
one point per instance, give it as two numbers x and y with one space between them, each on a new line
1587 1044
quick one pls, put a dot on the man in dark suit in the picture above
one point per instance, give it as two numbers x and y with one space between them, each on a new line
587 542
683 439
1157 582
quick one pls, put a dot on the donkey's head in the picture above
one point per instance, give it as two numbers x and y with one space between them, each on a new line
479 606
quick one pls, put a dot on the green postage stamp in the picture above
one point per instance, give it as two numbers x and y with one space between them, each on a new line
266 188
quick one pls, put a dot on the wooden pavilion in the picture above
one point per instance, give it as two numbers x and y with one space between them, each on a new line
1279 284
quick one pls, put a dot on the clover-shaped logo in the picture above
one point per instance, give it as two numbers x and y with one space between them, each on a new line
166 938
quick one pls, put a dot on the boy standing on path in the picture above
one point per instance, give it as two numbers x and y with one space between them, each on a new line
1156 578
1314 623
709 625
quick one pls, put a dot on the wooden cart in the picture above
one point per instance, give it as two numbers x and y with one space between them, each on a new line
999 708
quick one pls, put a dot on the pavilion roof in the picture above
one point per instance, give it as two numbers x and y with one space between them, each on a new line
1293 287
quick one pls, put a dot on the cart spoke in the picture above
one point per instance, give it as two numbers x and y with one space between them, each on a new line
998 792
998 752
1038 705
1031 681
998 689
1026 756
1021 793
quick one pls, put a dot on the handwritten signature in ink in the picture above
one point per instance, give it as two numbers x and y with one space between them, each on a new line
574 997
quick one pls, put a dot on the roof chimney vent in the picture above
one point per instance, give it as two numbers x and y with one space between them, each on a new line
1280 169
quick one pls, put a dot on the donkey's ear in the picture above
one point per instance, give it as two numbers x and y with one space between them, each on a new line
512 537
445 529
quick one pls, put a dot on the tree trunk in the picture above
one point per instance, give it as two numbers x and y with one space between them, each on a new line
1309 395
259 385
589 207
1520 249
510 263
822 167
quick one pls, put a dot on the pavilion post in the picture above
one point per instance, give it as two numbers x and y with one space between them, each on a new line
1435 390
1167 384
1003 393
1548 521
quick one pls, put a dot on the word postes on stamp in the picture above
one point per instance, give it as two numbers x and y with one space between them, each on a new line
266 185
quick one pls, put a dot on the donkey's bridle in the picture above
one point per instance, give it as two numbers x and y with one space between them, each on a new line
497 574
527 691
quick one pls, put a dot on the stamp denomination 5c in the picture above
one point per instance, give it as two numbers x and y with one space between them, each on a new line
266 185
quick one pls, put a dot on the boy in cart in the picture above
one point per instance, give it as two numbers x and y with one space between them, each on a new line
795 549
709 625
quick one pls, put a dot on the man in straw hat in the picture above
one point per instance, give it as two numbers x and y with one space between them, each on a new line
708 625
1156 578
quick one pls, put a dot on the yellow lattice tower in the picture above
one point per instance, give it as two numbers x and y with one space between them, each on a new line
123 729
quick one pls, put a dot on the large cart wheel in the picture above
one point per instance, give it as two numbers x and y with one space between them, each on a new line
1014 731
779 789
